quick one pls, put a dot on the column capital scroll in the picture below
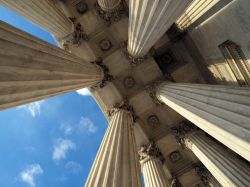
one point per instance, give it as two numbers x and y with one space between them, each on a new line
152 88
150 151
75 38
124 105
134 61
107 77
202 172
112 15
184 130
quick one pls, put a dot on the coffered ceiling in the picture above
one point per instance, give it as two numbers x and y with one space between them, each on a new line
154 121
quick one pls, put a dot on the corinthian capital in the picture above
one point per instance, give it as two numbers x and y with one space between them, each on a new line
152 88
107 77
76 37
114 14
125 106
183 130
150 151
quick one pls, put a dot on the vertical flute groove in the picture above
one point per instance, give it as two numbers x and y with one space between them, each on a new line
149 20
226 168
221 111
115 163
31 69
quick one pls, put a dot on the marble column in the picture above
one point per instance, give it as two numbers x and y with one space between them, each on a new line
43 13
221 111
108 5
196 9
227 167
31 69
149 20
111 10
116 162
151 161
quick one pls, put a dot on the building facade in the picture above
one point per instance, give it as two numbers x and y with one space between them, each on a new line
172 77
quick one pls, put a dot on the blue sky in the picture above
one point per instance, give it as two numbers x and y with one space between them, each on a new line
52 142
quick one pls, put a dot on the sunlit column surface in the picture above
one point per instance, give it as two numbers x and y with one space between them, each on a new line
116 163
151 161
31 69
196 9
149 20
221 111
43 13
224 165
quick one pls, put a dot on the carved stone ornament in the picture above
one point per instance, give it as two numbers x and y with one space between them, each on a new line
134 61
129 82
106 78
123 106
81 7
105 45
151 89
175 156
76 37
150 151
183 130
175 182
115 15
153 121
203 173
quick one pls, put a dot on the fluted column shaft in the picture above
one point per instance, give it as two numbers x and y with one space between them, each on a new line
154 174
149 20
221 111
108 5
196 9
151 161
229 170
43 13
31 69
116 161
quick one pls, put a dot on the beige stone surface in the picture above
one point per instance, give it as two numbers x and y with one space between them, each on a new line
225 166
228 23
116 163
42 13
154 174
149 20
221 111
149 26
32 69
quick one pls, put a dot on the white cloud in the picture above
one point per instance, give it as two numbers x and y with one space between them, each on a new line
73 167
84 92
86 124
66 128
29 174
33 108
61 148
